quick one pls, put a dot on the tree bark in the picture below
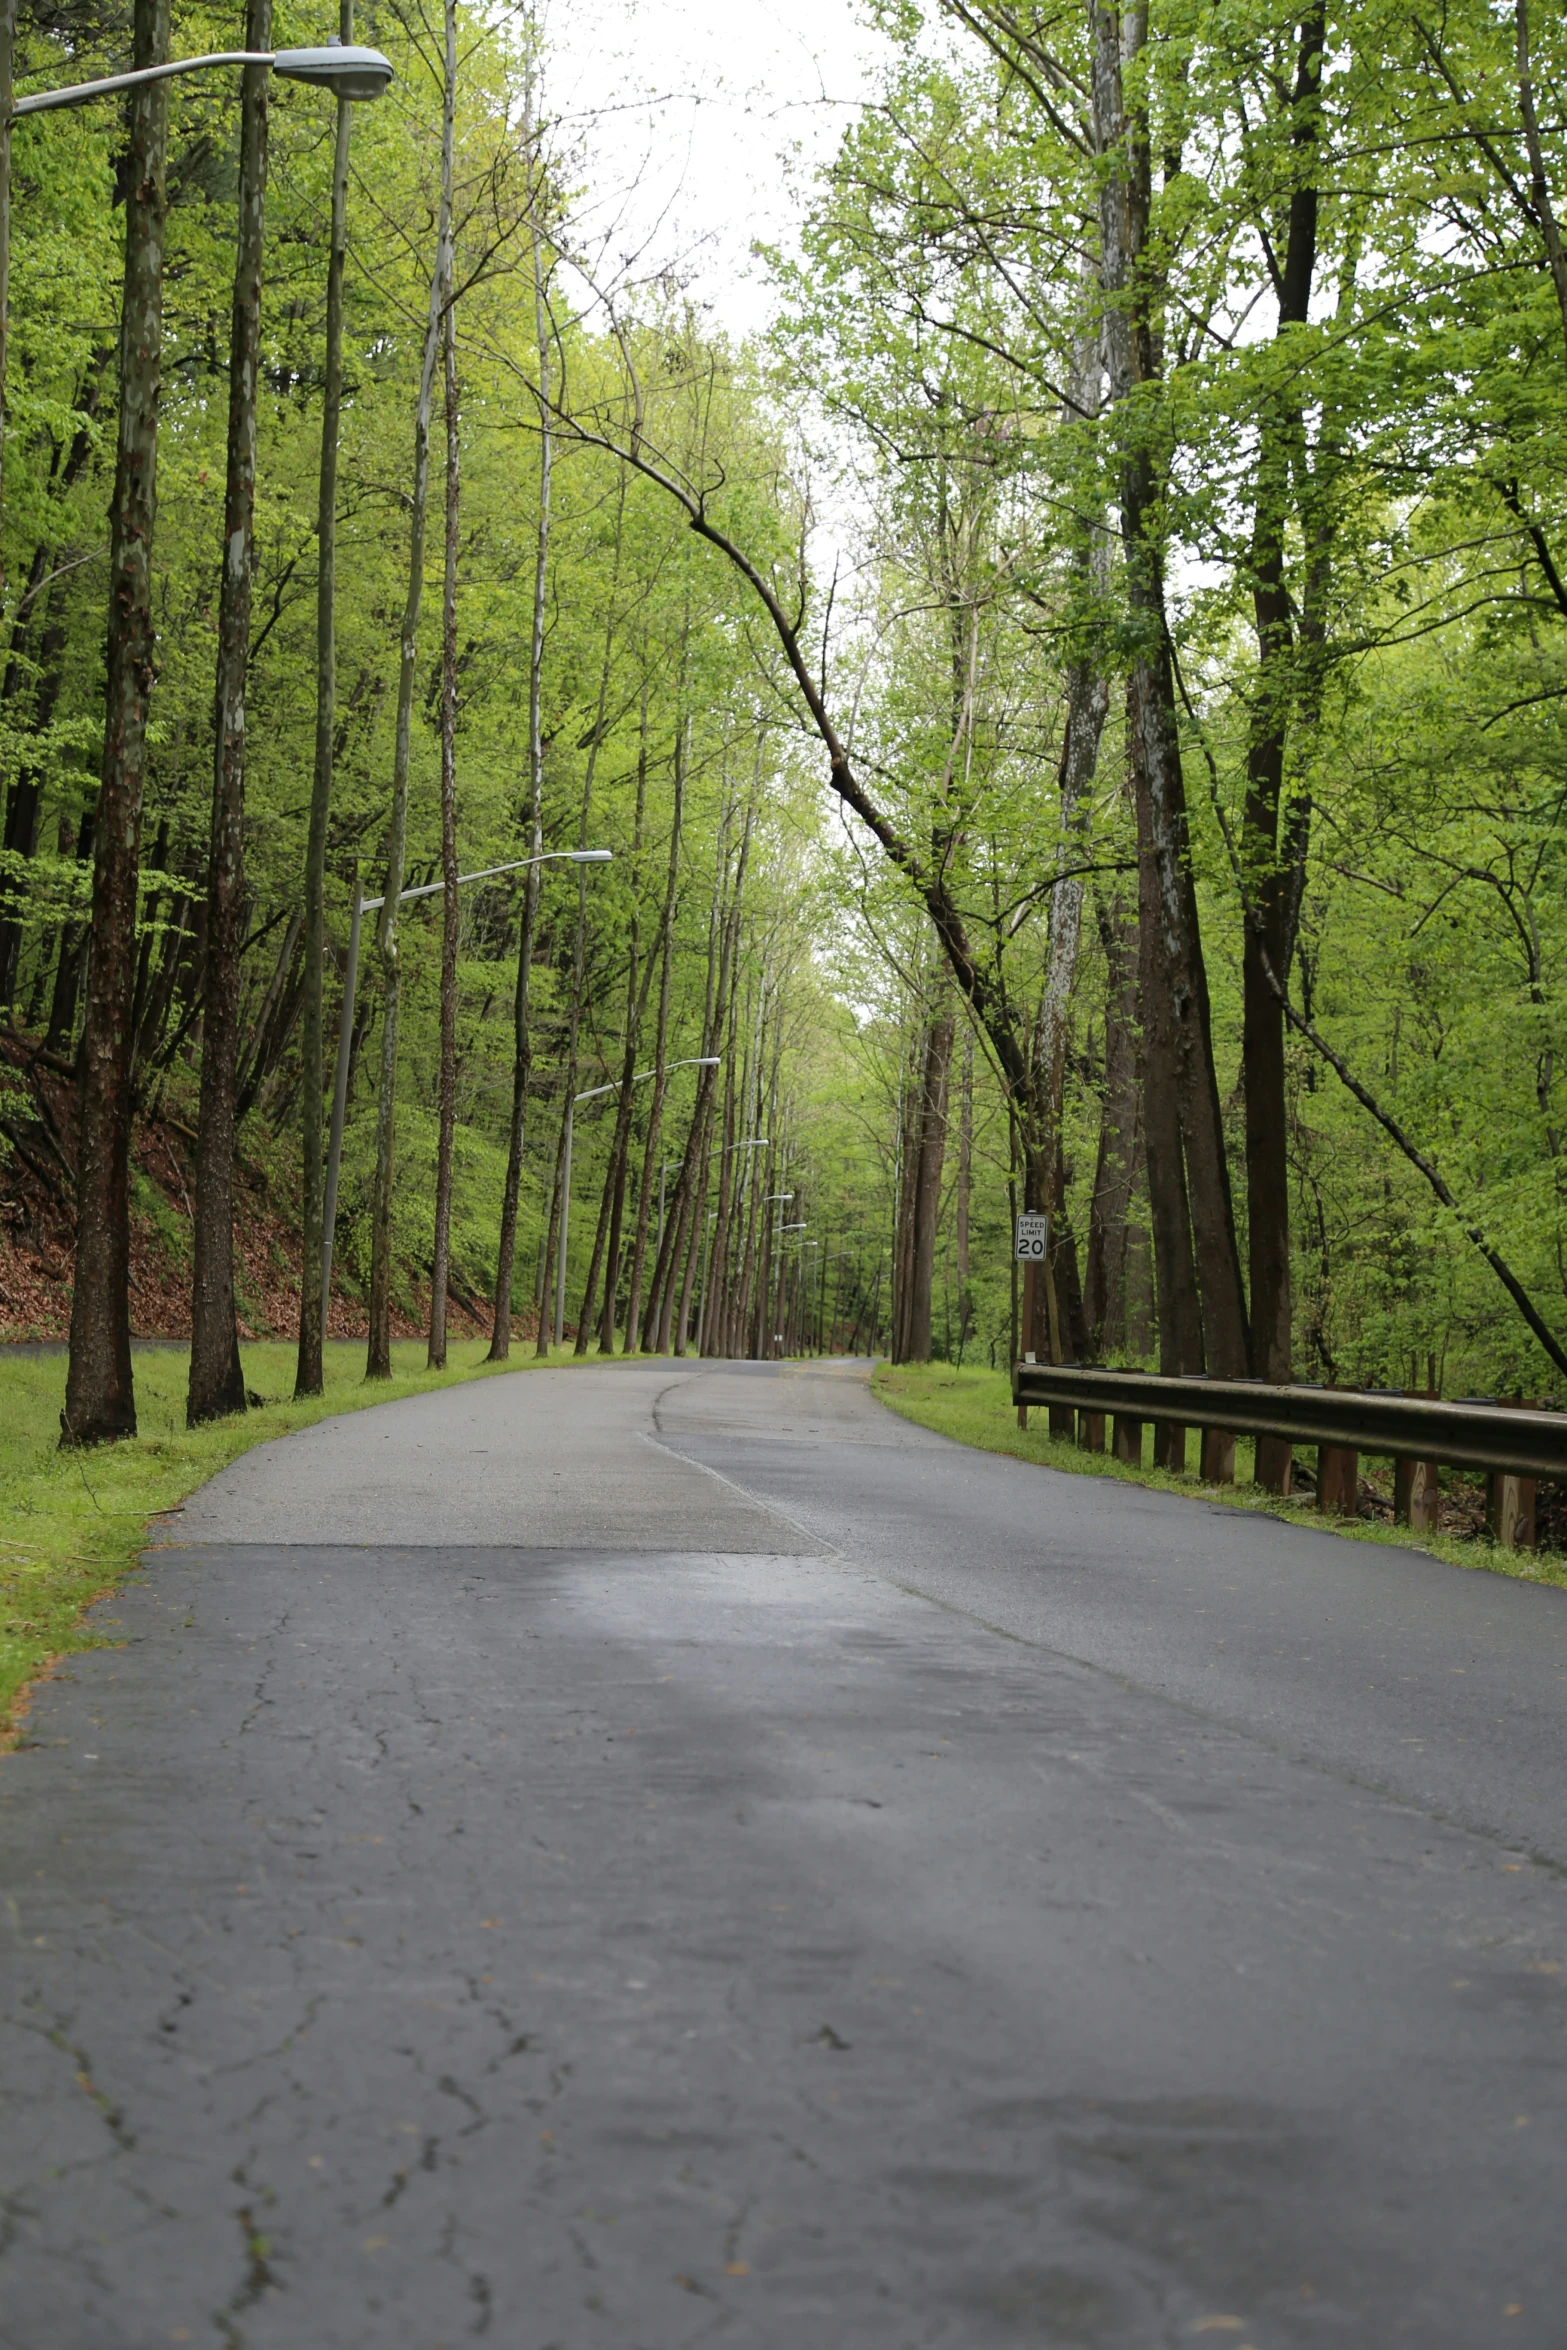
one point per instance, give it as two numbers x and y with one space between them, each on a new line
217 1382
100 1401
308 1377
655 1115
1188 1171
930 1143
1267 881
378 1362
636 1005
451 912
522 1057
1111 1244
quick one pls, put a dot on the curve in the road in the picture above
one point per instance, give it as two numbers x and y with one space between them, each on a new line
670 1854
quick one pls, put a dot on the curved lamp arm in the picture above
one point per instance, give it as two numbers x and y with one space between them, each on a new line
349 71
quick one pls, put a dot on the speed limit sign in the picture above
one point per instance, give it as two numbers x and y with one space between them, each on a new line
1033 1240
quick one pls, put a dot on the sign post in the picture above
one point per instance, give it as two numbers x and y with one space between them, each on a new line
1031 1247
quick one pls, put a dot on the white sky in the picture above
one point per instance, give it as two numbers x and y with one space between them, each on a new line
717 104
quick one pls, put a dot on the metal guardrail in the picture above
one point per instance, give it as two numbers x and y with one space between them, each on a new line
1501 1438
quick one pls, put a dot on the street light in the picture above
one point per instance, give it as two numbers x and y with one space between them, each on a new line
596 1093
345 1032
341 67
215 1382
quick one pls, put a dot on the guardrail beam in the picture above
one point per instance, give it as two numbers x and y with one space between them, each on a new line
1511 1440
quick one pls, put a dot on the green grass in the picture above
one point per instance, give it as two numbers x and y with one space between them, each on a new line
73 1522
976 1407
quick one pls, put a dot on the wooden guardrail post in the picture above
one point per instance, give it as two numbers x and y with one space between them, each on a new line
1218 1456
1509 1505
1275 1464
1128 1440
1509 1510
1415 1494
1091 1431
1169 1446
1063 1422
1338 1480
1415 1489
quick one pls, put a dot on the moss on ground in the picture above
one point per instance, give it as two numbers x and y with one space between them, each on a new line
72 1523
975 1407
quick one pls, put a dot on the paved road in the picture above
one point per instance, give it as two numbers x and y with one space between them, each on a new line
673 1855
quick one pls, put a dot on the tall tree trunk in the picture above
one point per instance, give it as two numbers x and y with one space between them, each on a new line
930 1143
1119 1160
554 1321
378 1361
522 1055
653 1142
560 1207
451 912
669 1282
100 1401
636 1004
1187 1167
1267 880
964 1198
73 839
217 1383
308 1376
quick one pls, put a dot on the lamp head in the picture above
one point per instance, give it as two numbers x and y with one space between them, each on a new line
341 67
589 856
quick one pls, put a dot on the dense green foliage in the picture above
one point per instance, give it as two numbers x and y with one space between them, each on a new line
936 382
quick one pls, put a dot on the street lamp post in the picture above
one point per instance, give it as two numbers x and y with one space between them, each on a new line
593 1094
216 1382
100 1395
345 1030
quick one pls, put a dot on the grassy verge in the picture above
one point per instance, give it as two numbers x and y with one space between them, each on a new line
975 1407
74 1522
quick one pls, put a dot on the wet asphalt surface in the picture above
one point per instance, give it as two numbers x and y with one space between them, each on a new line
674 1855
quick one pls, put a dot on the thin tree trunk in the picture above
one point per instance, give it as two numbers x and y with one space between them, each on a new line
217 1382
929 1135
655 1115
308 1377
673 1248
636 1005
560 1210
522 1055
965 1195
553 1321
378 1360
451 912
1266 933
100 1401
